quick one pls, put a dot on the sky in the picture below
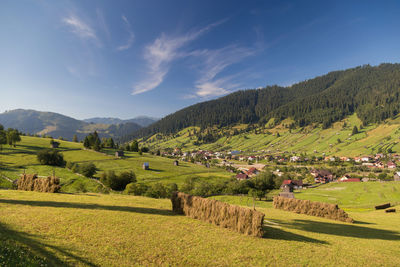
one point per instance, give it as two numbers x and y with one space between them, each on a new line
128 58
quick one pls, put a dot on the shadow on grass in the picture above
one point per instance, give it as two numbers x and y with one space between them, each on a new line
279 234
45 251
27 149
155 170
339 229
54 204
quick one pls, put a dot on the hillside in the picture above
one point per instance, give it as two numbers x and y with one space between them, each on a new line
118 230
141 120
58 125
336 140
13 162
370 91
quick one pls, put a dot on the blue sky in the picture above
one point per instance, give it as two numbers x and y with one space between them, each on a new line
129 58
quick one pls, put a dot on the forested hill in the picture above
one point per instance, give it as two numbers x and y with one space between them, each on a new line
371 92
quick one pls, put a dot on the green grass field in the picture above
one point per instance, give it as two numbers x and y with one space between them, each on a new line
369 140
119 230
13 162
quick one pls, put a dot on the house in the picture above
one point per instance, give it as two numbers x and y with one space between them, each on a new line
365 158
119 154
55 144
322 176
294 184
146 166
379 164
397 177
252 171
176 163
391 165
242 176
294 158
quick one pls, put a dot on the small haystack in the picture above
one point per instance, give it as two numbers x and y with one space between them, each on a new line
330 211
242 220
146 166
383 206
30 182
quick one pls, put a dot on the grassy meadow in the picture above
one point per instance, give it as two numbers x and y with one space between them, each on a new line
13 162
336 140
120 230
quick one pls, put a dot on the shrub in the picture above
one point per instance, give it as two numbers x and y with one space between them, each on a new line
117 182
88 169
69 165
136 189
75 168
50 157
157 190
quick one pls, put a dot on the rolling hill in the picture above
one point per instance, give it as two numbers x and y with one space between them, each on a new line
58 125
141 120
372 92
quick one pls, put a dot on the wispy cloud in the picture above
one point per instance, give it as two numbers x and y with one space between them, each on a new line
215 62
80 28
160 54
131 35
102 23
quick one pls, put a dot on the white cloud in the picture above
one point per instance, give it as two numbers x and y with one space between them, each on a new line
80 28
215 62
161 53
131 36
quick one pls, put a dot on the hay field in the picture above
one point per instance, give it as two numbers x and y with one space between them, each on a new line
13 161
117 230
370 140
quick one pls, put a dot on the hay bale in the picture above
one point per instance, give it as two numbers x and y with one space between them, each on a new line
330 211
242 220
390 210
30 182
383 206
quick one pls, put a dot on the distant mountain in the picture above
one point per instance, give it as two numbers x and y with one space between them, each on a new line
372 92
143 121
56 125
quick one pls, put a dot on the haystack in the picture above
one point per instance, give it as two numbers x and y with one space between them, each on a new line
30 182
330 211
242 220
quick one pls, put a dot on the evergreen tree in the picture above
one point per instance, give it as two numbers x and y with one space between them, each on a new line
355 130
75 138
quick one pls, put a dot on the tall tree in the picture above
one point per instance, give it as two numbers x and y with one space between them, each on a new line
13 136
75 138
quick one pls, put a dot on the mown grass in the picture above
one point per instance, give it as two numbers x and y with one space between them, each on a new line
118 230
354 196
15 161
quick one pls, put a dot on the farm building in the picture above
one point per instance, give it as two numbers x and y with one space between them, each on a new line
397 176
119 154
242 176
176 163
145 166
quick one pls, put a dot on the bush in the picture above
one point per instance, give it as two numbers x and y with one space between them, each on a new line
70 165
118 182
157 190
136 189
88 169
75 168
50 157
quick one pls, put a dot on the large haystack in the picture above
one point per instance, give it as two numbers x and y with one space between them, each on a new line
330 211
242 220
30 182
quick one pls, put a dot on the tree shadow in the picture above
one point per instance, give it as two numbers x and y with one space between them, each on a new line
279 234
54 204
155 170
339 229
41 249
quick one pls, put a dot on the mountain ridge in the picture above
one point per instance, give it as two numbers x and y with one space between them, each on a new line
30 121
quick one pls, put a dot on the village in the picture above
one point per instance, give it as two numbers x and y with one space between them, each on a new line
247 165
